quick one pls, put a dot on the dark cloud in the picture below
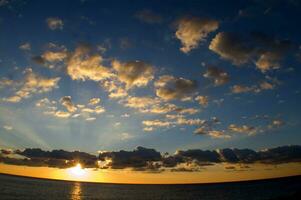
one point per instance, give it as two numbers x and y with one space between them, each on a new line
265 51
55 158
140 158
39 60
170 88
149 17
146 159
219 76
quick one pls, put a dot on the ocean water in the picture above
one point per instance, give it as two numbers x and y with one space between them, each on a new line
13 187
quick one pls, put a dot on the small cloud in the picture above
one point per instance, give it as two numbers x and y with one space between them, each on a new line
149 17
26 46
55 23
236 89
117 124
91 119
67 103
8 128
189 111
125 115
148 129
202 100
156 123
219 76
62 114
125 136
94 101
250 130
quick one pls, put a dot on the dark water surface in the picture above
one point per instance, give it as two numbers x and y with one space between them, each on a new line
13 187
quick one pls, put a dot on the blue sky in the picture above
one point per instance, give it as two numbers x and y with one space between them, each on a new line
243 62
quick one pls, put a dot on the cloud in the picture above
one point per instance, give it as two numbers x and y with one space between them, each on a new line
125 115
189 111
67 103
170 88
8 127
207 127
140 102
218 134
56 158
58 56
126 136
160 108
261 86
149 17
90 119
219 76
54 23
94 101
231 47
26 46
156 123
96 110
81 65
55 54
133 73
236 89
203 130
171 121
32 84
87 112
147 159
62 114
115 89
266 85
148 129
191 31
266 52
250 130
278 122
139 159
190 122
202 100
5 82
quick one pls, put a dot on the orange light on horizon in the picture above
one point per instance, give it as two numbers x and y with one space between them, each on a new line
77 171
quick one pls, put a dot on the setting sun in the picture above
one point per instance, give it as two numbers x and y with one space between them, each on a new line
77 171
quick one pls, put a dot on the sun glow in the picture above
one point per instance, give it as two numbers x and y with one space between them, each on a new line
77 171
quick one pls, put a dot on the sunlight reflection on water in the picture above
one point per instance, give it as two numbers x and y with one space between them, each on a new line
76 191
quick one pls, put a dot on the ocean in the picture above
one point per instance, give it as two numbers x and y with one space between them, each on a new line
14 187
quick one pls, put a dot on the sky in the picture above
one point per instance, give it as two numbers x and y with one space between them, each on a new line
150 88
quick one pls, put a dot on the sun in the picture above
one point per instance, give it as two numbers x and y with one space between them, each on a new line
77 171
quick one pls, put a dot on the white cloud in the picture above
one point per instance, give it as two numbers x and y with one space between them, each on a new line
26 46
8 128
